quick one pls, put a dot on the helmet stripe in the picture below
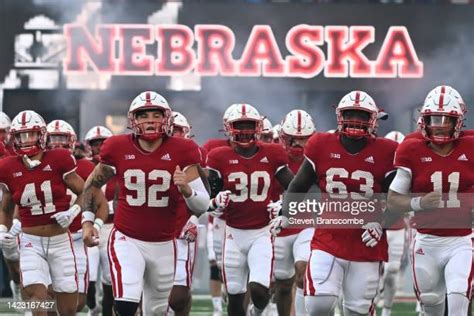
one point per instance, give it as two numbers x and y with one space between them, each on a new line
23 119
147 98
56 125
443 89
441 102
244 110
98 131
298 127
396 137
357 99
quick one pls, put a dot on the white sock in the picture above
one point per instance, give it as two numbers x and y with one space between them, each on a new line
386 311
300 308
217 303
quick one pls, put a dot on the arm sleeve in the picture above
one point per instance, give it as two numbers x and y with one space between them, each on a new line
212 162
107 153
402 182
199 200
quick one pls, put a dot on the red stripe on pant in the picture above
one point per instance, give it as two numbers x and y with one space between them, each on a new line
112 276
116 265
308 280
471 275
74 256
187 264
272 240
415 282
223 262
86 275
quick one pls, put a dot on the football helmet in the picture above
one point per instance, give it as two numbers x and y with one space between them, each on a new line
60 134
244 137
97 132
357 127
227 112
395 136
28 132
296 128
150 100
5 123
441 118
181 126
276 133
267 131
451 92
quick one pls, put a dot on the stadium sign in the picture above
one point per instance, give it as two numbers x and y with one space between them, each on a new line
124 50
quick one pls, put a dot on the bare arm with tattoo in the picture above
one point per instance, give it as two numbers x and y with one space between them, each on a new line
98 178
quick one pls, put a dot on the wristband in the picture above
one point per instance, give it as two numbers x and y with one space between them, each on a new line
98 223
87 216
415 204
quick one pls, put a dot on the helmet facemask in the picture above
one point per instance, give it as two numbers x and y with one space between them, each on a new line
60 140
244 133
29 142
151 127
440 128
356 122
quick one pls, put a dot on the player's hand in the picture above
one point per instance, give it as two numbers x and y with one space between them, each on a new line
180 180
219 203
274 208
190 230
65 218
431 200
15 230
277 224
6 239
372 234
90 235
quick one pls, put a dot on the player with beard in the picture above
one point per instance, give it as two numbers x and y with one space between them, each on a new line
351 163
292 245
146 162
438 173
36 180
244 176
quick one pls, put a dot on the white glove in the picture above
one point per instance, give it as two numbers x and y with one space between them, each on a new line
274 208
372 234
65 218
6 239
277 224
190 230
219 203
15 230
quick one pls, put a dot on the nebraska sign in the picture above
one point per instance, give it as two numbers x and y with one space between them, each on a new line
208 50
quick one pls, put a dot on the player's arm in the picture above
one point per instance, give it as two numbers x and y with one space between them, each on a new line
215 182
7 208
192 188
284 176
389 217
92 187
399 199
75 183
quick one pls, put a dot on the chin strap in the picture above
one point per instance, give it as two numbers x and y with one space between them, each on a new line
30 163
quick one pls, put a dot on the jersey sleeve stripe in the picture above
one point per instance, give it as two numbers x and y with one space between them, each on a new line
69 172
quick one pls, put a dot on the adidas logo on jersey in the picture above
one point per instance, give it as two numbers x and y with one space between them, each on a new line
426 159
264 159
166 157
420 252
122 238
463 157
230 237
369 159
47 168
29 245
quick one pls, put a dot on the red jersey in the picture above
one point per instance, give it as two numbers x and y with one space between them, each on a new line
452 174
84 169
9 149
418 135
182 212
251 181
358 174
39 192
214 143
147 201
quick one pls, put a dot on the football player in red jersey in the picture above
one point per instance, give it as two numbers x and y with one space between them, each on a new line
444 89
267 131
97 256
141 245
349 163
292 245
186 236
36 180
60 134
439 172
244 176
218 142
396 238
5 123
